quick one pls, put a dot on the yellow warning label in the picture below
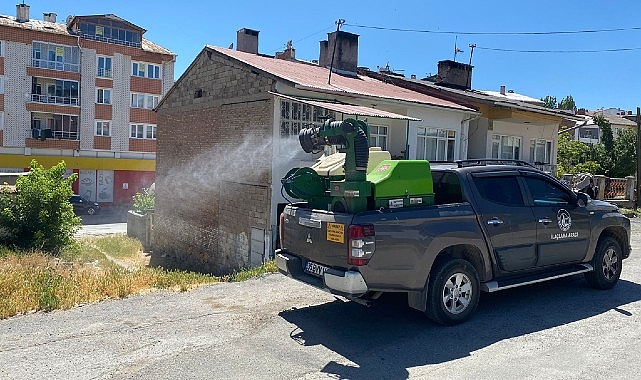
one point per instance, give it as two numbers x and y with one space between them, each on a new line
335 232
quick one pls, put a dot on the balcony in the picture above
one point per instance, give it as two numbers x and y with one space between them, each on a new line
55 65
55 100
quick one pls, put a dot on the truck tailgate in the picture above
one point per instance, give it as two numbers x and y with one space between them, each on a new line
316 235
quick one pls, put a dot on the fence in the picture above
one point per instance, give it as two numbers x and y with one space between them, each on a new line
621 190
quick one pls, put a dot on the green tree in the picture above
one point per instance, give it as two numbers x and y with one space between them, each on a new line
606 152
567 103
576 157
550 102
39 215
145 201
625 154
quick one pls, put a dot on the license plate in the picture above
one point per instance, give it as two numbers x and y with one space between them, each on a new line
315 269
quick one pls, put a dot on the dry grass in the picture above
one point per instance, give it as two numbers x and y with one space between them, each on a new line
34 281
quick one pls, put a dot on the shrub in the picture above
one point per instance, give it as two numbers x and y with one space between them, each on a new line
145 201
39 215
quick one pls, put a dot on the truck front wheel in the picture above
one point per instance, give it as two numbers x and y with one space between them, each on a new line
453 292
607 264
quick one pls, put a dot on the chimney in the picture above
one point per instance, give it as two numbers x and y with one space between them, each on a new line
323 61
50 17
289 53
247 40
22 12
413 76
456 75
345 54
502 90
581 111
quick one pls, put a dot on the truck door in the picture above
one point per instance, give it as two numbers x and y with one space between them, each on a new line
563 227
507 220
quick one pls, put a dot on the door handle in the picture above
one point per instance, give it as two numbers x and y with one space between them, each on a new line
494 222
545 220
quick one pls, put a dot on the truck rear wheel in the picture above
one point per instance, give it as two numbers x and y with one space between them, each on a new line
453 292
607 264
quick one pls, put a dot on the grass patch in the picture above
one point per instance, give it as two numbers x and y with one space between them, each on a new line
94 269
245 274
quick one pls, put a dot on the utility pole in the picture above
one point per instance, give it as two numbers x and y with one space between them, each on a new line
339 23
638 179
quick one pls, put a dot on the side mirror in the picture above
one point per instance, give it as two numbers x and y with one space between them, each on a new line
582 199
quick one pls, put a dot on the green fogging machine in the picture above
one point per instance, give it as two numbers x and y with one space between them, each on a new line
361 185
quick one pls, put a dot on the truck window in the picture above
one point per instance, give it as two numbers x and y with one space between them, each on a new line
545 193
447 188
503 190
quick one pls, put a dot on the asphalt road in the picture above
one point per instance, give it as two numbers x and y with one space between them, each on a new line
276 328
109 220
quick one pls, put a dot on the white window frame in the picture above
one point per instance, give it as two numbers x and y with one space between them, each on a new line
378 133
2 48
148 101
146 70
547 151
1 84
106 73
151 131
1 120
499 152
103 90
100 128
141 131
442 138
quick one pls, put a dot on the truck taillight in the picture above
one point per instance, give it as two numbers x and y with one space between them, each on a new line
361 244
281 230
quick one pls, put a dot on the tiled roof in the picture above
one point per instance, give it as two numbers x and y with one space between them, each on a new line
58 28
314 78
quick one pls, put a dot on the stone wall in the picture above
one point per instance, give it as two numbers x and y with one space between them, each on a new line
213 165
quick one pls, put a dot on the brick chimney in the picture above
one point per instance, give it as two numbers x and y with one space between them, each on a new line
22 13
454 74
345 55
247 40
50 17
289 53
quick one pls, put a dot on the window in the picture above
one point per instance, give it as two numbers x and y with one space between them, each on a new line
111 31
545 193
103 96
151 101
540 151
295 115
378 136
138 100
102 128
506 147
1 120
1 49
435 144
57 91
137 131
63 127
104 67
1 84
143 131
503 190
145 70
55 57
150 132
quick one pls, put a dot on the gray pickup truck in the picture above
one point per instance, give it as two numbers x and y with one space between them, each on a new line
492 226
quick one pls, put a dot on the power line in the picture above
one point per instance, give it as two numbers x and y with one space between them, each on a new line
559 51
635 28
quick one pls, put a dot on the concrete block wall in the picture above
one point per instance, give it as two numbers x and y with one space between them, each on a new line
213 165
17 123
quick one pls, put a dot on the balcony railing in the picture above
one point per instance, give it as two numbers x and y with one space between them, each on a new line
104 73
54 65
111 40
65 100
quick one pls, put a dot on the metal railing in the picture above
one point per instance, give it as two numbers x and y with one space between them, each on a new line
65 100
55 65
615 188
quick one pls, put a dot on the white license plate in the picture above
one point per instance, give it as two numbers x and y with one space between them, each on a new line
315 269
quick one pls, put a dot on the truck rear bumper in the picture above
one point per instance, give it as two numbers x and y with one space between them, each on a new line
344 283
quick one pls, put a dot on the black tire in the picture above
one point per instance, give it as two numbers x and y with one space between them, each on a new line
453 292
607 262
91 211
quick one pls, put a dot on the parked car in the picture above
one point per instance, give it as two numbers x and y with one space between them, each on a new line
83 206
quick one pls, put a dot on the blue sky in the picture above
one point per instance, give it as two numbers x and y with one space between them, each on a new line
595 80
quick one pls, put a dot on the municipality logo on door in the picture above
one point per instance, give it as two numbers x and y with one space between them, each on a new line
564 219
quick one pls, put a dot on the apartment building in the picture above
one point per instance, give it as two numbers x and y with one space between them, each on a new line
82 91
